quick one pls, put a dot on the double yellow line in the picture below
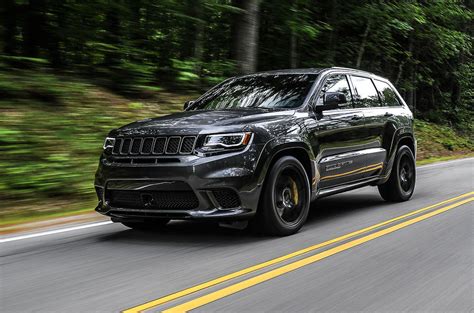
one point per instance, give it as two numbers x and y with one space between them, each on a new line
247 283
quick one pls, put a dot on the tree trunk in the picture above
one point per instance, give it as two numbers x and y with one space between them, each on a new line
234 32
34 28
293 50
9 18
198 37
413 81
362 45
333 36
198 48
402 64
246 35
112 36
456 84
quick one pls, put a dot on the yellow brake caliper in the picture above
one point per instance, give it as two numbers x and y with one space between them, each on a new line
294 191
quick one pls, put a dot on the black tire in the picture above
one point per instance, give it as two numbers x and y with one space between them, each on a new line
401 183
285 199
147 226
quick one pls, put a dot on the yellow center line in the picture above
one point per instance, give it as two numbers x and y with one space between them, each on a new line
224 292
216 281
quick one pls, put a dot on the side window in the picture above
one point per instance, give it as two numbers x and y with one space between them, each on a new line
389 98
366 93
336 83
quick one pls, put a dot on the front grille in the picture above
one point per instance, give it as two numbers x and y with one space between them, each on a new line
117 146
153 200
187 145
147 145
126 146
137 143
173 145
226 198
159 147
154 146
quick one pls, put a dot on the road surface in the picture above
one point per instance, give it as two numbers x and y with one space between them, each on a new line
420 261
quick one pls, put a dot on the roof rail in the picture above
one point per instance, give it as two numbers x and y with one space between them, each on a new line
351 69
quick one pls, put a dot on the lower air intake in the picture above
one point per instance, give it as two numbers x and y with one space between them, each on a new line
226 198
153 200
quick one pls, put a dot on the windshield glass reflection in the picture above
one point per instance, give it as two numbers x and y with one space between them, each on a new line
262 91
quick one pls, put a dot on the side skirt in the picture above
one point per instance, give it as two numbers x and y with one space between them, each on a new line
346 187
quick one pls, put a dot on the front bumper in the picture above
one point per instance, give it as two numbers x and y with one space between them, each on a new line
202 176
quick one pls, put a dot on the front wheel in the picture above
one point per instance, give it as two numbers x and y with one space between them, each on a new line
401 184
285 201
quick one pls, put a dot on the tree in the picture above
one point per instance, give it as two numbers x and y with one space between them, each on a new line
246 35
424 47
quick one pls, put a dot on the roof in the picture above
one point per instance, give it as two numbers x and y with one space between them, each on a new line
292 71
314 71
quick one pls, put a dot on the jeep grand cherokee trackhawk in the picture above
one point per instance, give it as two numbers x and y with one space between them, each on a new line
261 147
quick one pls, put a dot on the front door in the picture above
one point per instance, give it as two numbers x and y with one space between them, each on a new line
338 137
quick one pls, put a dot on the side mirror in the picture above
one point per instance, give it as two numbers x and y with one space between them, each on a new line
331 101
187 104
334 99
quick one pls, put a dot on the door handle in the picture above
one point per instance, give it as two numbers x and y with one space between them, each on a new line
388 114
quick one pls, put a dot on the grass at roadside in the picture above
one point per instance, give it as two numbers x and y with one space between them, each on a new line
439 142
444 158
52 128
41 216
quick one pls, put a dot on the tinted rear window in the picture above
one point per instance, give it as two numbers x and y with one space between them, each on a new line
367 94
387 94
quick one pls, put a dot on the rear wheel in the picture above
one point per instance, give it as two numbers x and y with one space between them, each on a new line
401 184
147 226
284 204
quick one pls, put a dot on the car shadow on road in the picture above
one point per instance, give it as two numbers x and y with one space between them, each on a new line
191 232
336 206
183 233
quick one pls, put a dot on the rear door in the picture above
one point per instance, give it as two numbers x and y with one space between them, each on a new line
375 116
391 114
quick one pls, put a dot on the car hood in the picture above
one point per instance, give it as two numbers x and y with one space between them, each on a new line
203 121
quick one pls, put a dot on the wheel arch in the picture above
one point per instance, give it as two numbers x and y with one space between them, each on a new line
409 141
406 139
298 150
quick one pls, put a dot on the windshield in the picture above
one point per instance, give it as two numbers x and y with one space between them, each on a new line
263 91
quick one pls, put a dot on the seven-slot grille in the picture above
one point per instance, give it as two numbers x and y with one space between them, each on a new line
154 145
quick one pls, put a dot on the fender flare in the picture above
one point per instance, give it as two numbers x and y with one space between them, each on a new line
402 135
278 146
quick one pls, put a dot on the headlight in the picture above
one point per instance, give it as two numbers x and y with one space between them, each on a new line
226 141
109 143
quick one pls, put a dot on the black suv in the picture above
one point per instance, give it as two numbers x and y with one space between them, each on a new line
260 148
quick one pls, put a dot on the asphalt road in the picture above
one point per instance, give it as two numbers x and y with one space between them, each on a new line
402 266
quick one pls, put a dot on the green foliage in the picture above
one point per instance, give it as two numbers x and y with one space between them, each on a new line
211 72
131 47
52 151
437 141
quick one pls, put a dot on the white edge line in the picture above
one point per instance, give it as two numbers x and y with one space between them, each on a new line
63 230
446 162
52 232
